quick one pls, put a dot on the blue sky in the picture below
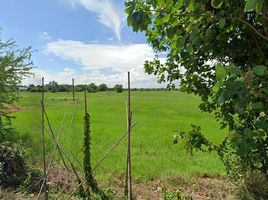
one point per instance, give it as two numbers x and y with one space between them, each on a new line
85 39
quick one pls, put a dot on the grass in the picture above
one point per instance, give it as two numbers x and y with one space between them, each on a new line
158 115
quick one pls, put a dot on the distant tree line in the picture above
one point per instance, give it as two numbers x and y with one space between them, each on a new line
53 86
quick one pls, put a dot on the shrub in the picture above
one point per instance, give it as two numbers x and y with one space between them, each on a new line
178 195
118 88
254 186
13 169
34 180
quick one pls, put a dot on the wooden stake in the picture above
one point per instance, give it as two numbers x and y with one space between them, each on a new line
73 88
129 183
43 140
85 94
126 180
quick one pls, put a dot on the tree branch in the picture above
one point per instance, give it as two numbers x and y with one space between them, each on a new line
249 25
216 17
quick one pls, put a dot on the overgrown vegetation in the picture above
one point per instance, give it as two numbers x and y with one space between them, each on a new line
91 183
218 50
178 195
13 167
15 64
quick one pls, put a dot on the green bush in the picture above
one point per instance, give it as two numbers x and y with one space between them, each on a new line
13 168
34 180
178 195
253 186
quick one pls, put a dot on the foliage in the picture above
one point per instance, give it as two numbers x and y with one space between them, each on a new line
118 88
53 86
178 195
90 181
92 87
13 169
253 186
218 50
34 180
102 87
15 64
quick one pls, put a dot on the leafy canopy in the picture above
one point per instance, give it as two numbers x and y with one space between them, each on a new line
218 50
15 64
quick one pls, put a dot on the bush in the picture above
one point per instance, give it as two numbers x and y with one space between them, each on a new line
254 186
13 169
178 195
118 88
34 180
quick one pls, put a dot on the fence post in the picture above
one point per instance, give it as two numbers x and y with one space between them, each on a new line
73 88
43 140
128 175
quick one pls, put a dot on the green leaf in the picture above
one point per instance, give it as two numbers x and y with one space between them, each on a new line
233 69
260 70
250 5
171 32
221 73
259 6
222 23
179 4
160 2
216 87
248 133
208 34
164 19
216 3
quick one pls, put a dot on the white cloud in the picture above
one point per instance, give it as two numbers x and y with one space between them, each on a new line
99 56
108 13
45 36
100 63
63 77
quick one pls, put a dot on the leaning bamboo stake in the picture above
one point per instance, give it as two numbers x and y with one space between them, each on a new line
55 148
56 140
43 140
104 157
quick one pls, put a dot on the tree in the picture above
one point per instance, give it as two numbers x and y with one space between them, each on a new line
53 86
218 50
118 88
15 64
102 87
92 87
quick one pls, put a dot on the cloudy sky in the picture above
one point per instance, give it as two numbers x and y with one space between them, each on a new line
83 39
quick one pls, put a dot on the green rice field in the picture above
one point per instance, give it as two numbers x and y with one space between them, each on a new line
158 115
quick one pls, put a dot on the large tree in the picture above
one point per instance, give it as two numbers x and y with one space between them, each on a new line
218 49
15 64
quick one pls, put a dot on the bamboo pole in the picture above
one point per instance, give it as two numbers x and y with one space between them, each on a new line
126 179
73 88
43 140
85 99
104 157
129 183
